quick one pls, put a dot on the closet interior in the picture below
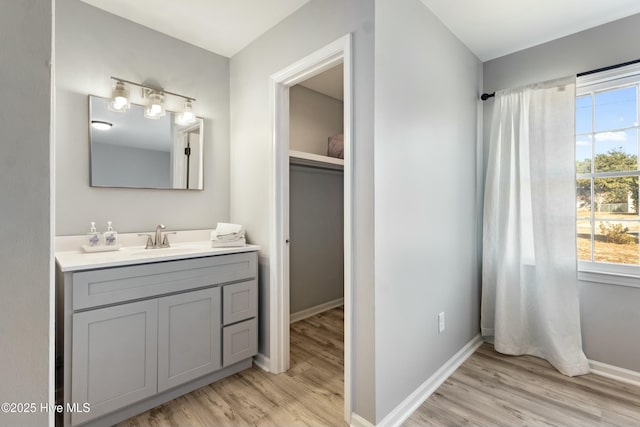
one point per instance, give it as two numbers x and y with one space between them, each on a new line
316 188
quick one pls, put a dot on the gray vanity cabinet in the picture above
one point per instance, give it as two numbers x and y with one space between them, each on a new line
136 336
188 336
114 357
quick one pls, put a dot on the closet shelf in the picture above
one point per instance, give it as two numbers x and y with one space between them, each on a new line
315 160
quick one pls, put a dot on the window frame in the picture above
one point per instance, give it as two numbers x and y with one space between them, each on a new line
597 271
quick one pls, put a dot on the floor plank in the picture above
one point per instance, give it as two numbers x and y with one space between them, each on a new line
492 389
309 394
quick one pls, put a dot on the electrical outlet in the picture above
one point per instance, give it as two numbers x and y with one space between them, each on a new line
441 322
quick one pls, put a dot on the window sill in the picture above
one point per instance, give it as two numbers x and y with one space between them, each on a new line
608 278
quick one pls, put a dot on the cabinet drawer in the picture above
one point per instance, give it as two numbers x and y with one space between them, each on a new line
239 302
108 286
239 342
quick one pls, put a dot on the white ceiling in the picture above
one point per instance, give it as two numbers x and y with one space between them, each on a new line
329 83
220 26
490 28
493 28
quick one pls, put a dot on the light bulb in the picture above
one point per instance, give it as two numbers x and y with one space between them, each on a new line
155 105
119 98
186 117
120 101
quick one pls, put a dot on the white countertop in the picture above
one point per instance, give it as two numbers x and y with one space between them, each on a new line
70 257
132 255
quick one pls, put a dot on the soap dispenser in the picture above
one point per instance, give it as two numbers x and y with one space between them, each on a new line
110 236
93 237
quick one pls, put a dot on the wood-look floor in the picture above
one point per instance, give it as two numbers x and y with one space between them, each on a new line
491 389
309 394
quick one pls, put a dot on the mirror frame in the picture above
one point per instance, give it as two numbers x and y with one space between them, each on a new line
202 154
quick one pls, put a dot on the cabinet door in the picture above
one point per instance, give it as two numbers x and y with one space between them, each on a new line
114 357
188 336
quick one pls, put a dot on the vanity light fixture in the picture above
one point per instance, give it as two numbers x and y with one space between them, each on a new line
101 125
155 98
120 97
155 105
186 117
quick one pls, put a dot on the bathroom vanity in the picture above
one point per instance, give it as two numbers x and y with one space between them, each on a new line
138 327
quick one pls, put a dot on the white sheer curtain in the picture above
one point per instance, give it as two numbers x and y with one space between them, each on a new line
529 286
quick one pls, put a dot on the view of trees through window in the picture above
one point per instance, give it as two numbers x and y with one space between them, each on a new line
608 221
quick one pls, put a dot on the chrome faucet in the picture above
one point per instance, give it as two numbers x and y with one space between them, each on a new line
159 229
161 241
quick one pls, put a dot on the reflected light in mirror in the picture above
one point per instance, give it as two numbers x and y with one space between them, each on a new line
101 125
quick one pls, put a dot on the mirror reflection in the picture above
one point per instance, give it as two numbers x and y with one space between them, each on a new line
131 151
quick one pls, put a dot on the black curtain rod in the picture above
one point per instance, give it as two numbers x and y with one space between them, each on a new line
486 96
610 67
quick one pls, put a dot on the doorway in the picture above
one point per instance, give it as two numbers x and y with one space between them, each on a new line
332 55
316 195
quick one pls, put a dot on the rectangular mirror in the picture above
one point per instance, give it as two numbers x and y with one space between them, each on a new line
136 152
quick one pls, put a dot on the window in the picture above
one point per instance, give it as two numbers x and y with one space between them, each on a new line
608 220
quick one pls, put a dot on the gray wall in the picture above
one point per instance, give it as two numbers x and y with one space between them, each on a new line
25 234
316 230
311 27
91 46
609 313
314 118
426 89
117 165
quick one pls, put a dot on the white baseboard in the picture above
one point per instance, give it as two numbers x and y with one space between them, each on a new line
615 373
262 362
408 406
358 421
312 311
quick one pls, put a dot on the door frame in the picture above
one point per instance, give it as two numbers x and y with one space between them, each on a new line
321 60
